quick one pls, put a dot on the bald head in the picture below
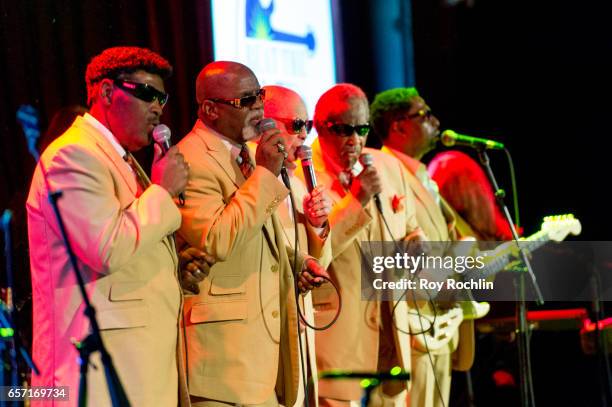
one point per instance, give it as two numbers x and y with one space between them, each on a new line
286 106
282 102
218 86
216 77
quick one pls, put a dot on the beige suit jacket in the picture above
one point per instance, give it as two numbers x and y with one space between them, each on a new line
127 258
244 318
352 342
439 224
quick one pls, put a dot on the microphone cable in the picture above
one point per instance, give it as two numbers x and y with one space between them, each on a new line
295 247
287 182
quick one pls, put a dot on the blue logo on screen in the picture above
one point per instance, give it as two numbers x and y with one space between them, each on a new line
258 26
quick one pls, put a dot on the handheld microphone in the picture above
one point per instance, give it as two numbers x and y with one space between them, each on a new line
161 135
268 124
367 160
305 155
449 138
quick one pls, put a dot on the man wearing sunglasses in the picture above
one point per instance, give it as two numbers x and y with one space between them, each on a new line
289 112
409 130
242 337
365 337
120 226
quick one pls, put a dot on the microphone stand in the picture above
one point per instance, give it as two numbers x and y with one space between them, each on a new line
93 342
601 341
527 396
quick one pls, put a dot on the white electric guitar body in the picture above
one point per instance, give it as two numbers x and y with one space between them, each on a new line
433 327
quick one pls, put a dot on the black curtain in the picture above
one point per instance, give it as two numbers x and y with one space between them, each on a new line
45 47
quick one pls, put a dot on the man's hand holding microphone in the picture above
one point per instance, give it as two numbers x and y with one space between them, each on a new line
271 152
367 184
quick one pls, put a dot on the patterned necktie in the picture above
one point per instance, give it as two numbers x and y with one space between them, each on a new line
245 162
141 177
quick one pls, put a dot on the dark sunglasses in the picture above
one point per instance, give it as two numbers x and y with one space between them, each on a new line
423 113
295 125
142 91
347 130
245 101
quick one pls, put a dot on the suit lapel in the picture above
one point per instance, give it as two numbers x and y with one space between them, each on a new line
422 194
110 152
221 154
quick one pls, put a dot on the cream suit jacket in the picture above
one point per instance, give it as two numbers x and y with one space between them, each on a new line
127 258
352 342
439 224
244 318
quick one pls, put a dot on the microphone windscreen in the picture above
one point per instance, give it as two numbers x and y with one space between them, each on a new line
447 138
366 159
304 152
161 134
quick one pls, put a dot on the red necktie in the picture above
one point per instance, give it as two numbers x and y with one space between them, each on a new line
245 162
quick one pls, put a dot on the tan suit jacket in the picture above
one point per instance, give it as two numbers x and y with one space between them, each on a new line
352 342
439 224
127 258
244 318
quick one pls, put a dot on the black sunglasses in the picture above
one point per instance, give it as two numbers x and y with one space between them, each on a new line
245 101
295 125
347 130
142 91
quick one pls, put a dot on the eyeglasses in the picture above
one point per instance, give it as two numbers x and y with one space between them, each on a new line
295 125
245 101
422 113
142 91
347 130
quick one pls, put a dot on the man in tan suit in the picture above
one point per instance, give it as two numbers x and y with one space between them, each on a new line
289 112
409 130
120 225
242 326
366 337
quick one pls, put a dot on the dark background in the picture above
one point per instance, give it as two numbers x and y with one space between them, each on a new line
532 74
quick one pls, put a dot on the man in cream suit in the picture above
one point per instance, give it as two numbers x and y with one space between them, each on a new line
366 337
409 130
289 112
120 225
242 326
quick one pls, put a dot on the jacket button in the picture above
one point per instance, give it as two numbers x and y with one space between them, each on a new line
274 314
274 268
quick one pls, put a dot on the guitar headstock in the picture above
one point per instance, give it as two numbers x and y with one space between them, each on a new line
559 226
